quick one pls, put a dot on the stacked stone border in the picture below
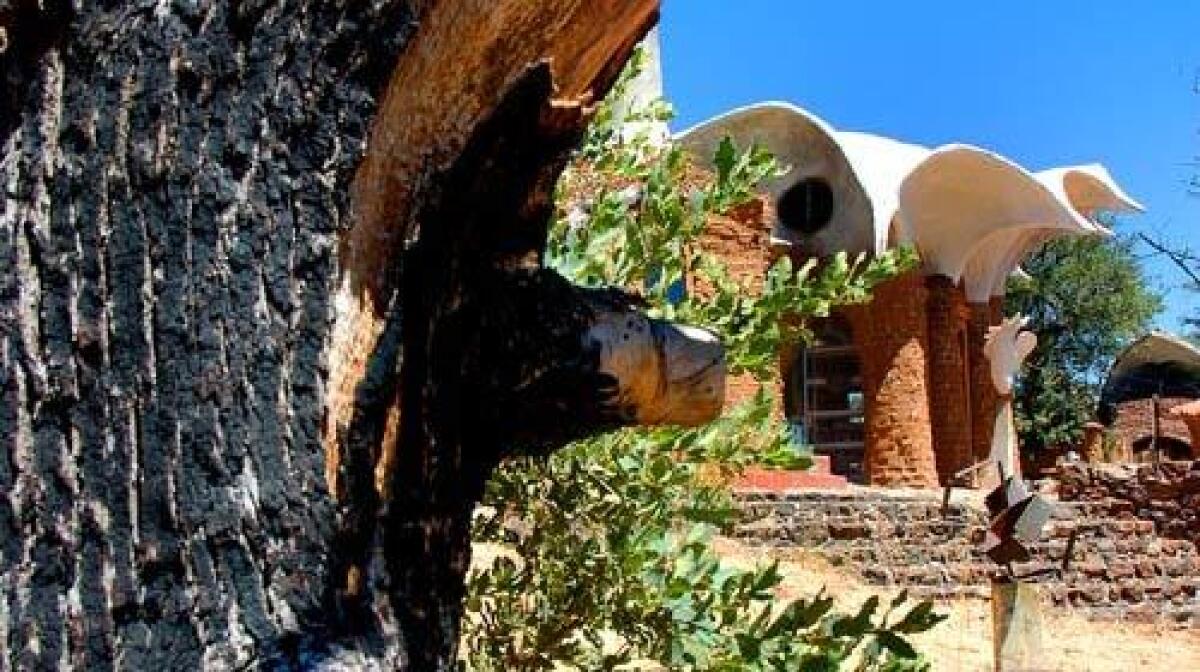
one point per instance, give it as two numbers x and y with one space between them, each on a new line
1135 557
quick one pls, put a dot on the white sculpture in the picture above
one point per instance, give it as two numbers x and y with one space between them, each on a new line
1006 348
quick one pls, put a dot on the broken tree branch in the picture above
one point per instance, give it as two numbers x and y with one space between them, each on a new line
1176 257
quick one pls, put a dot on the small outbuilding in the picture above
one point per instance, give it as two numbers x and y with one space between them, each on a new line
1148 401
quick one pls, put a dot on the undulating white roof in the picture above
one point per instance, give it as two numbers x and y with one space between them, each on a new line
972 214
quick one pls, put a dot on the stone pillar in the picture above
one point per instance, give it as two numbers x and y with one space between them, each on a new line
985 400
949 388
891 334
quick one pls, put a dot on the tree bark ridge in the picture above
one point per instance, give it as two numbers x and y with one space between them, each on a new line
229 256
173 178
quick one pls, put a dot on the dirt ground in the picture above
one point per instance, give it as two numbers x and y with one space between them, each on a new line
1070 643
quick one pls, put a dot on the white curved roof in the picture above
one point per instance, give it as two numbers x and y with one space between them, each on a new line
1089 188
863 170
972 214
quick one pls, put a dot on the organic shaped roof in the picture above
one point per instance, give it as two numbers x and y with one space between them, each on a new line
1157 363
1089 189
973 215
863 170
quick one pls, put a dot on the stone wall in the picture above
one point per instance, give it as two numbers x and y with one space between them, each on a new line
1121 569
1166 496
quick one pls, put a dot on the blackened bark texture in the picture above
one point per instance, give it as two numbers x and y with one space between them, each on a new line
191 475
174 181
492 360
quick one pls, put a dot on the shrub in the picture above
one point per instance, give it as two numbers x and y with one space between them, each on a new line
603 554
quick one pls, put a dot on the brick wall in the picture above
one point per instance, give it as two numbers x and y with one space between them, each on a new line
949 377
1193 425
985 400
741 239
891 334
1135 421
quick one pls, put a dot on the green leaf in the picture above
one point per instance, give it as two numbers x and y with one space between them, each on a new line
919 619
896 644
858 625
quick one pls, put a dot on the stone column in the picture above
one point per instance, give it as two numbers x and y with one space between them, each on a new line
891 334
949 393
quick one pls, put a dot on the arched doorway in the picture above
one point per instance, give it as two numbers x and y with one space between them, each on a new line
823 397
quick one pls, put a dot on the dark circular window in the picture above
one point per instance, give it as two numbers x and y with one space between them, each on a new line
807 206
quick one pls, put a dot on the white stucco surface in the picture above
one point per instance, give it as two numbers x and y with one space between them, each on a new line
972 214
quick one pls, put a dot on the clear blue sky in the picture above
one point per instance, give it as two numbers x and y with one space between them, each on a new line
1046 83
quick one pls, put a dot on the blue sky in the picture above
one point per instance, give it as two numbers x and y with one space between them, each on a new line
1045 83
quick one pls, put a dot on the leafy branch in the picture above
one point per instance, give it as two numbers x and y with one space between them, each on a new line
603 552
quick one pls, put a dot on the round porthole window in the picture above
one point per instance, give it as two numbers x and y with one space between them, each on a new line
807 206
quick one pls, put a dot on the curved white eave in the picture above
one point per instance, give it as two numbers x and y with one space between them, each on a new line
1089 189
986 272
881 165
769 110
961 201
776 125
876 165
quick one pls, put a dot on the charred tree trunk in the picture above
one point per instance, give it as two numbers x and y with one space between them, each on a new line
271 311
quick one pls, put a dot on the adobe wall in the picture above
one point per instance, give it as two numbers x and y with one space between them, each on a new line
891 334
949 392
1121 569
985 400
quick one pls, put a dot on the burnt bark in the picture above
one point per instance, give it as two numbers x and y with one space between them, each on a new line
206 460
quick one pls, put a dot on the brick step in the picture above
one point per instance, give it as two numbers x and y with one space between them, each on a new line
773 480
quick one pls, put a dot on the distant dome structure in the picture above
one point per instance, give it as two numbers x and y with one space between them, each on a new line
1149 397
1157 363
